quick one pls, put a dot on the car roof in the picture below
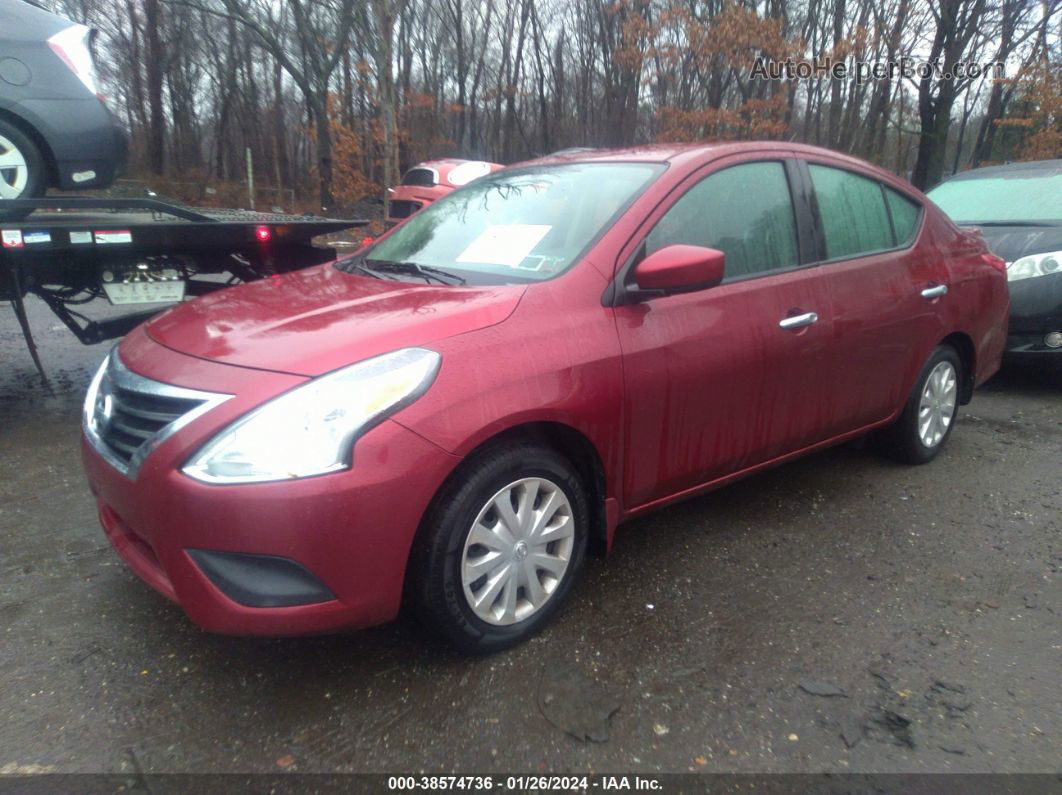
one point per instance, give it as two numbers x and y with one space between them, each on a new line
686 153
1046 166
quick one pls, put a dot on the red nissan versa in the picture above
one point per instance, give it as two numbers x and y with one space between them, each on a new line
456 413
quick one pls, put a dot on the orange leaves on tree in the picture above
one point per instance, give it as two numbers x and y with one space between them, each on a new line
722 49
350 184
1038 112
755 118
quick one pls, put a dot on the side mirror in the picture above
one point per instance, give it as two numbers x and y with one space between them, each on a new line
680 269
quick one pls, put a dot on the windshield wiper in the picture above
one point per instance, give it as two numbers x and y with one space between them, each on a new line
357 264
426 272
363 268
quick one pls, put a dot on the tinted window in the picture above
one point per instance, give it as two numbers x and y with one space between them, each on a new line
904 216
744 211
425 177
853 212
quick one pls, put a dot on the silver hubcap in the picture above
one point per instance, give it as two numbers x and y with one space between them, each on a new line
14 174
517 551
937 407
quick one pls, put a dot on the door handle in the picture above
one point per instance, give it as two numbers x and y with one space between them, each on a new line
799 321
935 291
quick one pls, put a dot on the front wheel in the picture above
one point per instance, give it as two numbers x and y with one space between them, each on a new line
501 548
920 432
22 170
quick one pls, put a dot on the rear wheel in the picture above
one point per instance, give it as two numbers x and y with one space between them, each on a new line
22 170
920 432
501 548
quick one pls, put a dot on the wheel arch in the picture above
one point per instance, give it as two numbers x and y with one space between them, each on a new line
564 439
31 132
963 345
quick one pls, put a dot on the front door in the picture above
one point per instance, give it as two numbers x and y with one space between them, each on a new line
723 379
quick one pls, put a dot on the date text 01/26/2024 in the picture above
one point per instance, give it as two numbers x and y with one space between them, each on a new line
522 783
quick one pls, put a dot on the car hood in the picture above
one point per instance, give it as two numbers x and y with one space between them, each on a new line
1014 242
316 320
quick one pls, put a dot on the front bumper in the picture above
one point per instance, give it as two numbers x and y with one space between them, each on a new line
1031 346
340 541
1035 310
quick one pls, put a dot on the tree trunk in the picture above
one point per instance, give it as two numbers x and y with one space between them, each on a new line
319 104
154 58
280 151
385 22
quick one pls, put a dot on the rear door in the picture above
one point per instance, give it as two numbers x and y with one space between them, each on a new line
714 382
885 291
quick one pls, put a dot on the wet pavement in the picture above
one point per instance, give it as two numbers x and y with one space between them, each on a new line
841 613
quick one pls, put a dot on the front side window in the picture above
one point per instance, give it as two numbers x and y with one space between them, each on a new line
852 208
514 226
745 211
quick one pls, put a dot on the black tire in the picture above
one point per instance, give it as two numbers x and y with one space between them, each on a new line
36 182
436 589
901 440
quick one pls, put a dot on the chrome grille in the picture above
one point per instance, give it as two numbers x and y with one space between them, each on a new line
126 415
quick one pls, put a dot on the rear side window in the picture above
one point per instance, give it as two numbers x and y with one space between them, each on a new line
904 216
744 211
854 218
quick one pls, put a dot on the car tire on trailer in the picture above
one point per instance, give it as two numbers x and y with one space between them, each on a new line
500 548
925 424
22 169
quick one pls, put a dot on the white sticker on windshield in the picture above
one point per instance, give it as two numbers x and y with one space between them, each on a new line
504 244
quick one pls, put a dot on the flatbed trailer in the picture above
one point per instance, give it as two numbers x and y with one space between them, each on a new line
143 253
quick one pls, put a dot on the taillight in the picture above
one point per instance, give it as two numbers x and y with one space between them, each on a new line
73 45
998 263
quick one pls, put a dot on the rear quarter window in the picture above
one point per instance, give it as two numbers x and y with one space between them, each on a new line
904 216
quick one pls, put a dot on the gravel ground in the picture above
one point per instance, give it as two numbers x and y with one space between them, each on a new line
839 614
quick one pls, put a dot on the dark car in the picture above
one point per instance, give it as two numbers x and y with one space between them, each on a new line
55 130
452 415
1018 208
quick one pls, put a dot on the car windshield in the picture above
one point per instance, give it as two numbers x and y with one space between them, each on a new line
514 226
1017 196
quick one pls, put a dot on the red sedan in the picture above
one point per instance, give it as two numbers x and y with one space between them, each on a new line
426 182
455 415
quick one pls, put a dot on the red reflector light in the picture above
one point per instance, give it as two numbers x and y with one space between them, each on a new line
366 241
998 263
263 233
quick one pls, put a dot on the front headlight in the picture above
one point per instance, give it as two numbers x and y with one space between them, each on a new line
1035 265
311 430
